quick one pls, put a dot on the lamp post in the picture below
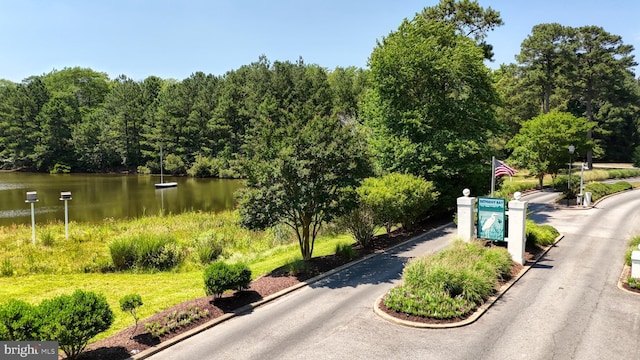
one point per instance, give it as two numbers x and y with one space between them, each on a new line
581 198
572 149
32 198
66 196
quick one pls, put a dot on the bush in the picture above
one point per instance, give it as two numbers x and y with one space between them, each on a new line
346 251
123 253
219 277
73 320
157 252
150 252
173 164
397 198
599 190
360 223
18 321
204 167
561 183
636 157
540 235
208 247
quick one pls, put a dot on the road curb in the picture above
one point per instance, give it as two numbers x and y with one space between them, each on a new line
247 308
477 314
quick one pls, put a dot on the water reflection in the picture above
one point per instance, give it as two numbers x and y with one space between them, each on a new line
98 196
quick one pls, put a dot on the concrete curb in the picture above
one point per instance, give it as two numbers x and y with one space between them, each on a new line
477 314
247 308
626 269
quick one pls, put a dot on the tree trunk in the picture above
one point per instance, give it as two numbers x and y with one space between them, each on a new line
306 242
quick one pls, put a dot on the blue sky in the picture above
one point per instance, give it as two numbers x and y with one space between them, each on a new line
175 38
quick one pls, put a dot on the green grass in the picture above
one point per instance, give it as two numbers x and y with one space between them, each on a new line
34 274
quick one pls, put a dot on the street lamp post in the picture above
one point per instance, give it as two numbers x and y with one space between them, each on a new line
572 149
581 198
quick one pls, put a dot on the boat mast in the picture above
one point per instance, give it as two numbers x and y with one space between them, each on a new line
161 175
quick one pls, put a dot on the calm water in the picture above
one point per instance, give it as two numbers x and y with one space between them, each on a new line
96 197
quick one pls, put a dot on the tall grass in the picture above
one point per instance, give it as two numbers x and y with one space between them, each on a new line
452 283
84 260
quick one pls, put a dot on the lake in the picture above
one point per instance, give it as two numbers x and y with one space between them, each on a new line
96 197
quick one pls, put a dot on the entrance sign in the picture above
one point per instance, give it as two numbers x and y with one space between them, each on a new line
491 218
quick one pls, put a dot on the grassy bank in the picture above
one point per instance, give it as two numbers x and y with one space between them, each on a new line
59 266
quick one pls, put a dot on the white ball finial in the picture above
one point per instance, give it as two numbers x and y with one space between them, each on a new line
517 195
466 192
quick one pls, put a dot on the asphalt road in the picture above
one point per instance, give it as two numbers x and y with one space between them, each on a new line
568 306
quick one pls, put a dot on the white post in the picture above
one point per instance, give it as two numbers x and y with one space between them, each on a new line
33 224
466 212
635 263
517 222
66 219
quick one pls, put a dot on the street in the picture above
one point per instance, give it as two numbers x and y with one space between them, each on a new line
568 306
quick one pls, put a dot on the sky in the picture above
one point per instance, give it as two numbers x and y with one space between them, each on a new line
176 38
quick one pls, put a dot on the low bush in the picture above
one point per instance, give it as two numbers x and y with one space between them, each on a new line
345 251
360 223
540 235
599 190
145 251
18 321
208 247
220 277
451 283
73 320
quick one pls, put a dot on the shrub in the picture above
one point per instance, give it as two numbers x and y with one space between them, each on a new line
123 253
60 169
540 235
150 252
6 268
599 190
219 277
143 170
346 251
130 304
157 252
173 164
360 223
73 320
18 321
204 167
397 198
208 247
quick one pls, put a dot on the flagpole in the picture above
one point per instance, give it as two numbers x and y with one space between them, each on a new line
493 174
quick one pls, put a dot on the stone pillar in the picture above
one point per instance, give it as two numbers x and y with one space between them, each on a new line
517 221
466 212
635 263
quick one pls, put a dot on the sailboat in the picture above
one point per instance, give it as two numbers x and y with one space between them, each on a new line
163 184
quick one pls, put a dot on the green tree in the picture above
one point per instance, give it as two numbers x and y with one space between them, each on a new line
300 175
469 19
431 106
601 61
130 304
397 198
544 55
542 144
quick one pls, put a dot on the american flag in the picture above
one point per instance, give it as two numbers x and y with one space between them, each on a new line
503 169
